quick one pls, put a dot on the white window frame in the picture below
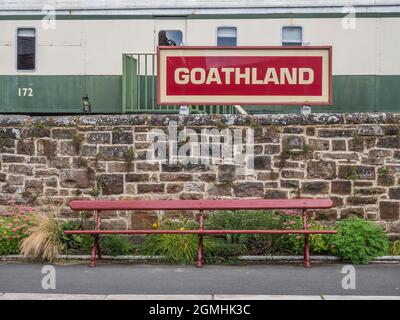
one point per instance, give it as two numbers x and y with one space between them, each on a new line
237 34
16 49
293 26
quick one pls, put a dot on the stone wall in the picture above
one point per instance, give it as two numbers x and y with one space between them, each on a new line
352 158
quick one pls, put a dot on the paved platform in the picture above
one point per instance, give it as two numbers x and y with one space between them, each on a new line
110 281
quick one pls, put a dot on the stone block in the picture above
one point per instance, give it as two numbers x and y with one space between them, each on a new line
293 142
335 133
318 144
351 212
220 190
77 178
394 193
113 153
358 172
341 187
137 177
275 194
63 133
98 138
34 186
112 184
26 147
248 189
339 145
47 148
315 187
389 210
151 188
122 137
262 163
226 172
176 177
389 142
321 169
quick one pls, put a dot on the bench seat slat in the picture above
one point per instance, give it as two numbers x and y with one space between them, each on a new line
150 231
243 204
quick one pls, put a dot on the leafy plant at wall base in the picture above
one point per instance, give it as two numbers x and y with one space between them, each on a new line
176 248
75 243
395 248
116 245
13 228
319 243
359 241
251 220
225 251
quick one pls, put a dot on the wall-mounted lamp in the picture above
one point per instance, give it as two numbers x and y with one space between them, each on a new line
86 105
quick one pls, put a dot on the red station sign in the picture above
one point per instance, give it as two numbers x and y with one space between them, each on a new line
244 75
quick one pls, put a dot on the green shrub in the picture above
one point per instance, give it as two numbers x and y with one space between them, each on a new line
75 243
359 241
116 245
176 248
395 248
224 251
319 243
113 245
14 229
251 220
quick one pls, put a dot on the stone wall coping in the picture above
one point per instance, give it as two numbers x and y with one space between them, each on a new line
203 120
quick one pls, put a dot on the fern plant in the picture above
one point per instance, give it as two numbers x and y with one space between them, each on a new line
176 248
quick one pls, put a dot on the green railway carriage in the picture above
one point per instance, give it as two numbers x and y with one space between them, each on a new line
53 53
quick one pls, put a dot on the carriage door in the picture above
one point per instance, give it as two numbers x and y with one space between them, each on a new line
169 31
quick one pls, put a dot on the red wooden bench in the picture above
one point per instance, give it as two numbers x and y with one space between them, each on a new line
202 205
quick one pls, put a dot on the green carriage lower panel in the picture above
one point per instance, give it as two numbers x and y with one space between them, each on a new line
388 93
63 94
59 94
352 93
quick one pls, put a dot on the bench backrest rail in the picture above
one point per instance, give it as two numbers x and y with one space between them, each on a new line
245 204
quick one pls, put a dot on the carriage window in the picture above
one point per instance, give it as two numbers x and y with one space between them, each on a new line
226 36
170 38
26 49
292 36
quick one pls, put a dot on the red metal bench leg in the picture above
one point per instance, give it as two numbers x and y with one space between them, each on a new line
94 252
96 246
98 249
200 245
306 260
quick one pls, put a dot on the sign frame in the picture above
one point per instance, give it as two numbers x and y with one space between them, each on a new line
239 48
